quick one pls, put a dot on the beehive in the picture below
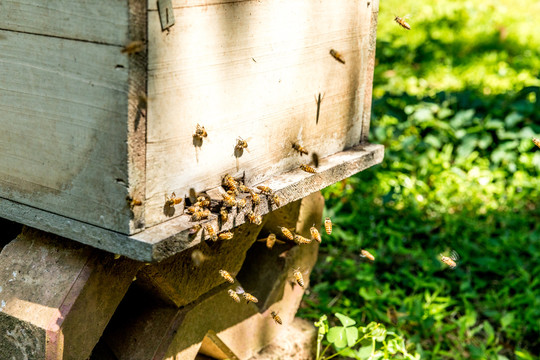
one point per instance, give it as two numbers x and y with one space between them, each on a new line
88 127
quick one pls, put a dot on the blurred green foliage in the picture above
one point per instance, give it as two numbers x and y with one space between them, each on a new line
456 102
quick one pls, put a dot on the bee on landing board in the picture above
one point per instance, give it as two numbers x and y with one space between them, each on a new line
402 22
172 200
224 214
194 229
226 276
276 200
211 232
255 199
451 260
288 234
229 182
276 318
328 225
254 219
308 168
298 277
337 56
536 141
315 234
265 190
234 295
296 146
241 203
229 200
367 254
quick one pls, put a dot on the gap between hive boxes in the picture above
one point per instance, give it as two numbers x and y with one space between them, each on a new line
161 241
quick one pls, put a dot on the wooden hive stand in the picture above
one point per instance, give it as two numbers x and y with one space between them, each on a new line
101 159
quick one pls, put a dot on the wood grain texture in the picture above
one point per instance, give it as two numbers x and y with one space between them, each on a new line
90 20
250 69
64 128
171 237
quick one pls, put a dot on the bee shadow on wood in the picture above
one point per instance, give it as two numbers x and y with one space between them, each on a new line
168 210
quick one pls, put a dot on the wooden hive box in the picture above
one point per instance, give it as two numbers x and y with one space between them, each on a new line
86 126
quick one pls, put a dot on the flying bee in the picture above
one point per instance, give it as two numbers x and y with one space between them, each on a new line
367 254
315 159
299 148
300 240
402 22
288 234
328 225
198 257
200 132
265 190
172 200
234 295
133 47
451 260
211 232
228 200
270 240
226 276
241 144
254 219
392 315
227 235
315 234
250 298
241 203
298 277
536 141
337 56
308 168
133 202
276 318
224 214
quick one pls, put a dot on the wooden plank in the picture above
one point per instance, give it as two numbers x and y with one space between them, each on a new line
90 20
368 80
64 128
171 237
250 69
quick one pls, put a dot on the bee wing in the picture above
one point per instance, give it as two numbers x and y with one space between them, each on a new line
192 195
454 255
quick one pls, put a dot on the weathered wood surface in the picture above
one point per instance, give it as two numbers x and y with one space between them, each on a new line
164 240
251 69
97 21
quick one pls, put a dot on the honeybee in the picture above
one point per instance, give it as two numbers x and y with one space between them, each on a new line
402 23
133 202
328 225
367 254
133 47
195 229
255 199
276 200
172 200
315 159
227 235
226 276
241 144
211 232
200 214
315 234
337 56
536 141
270 240
254 219
250 298
234 295
308 168
298 277
276 318
202 201
224 214
299 148
193 209
241 203
200 132
451 260
299 239
288 234
229 182
265 190
228 200
392 315
198 257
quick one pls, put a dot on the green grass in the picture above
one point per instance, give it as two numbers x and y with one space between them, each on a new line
456 102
